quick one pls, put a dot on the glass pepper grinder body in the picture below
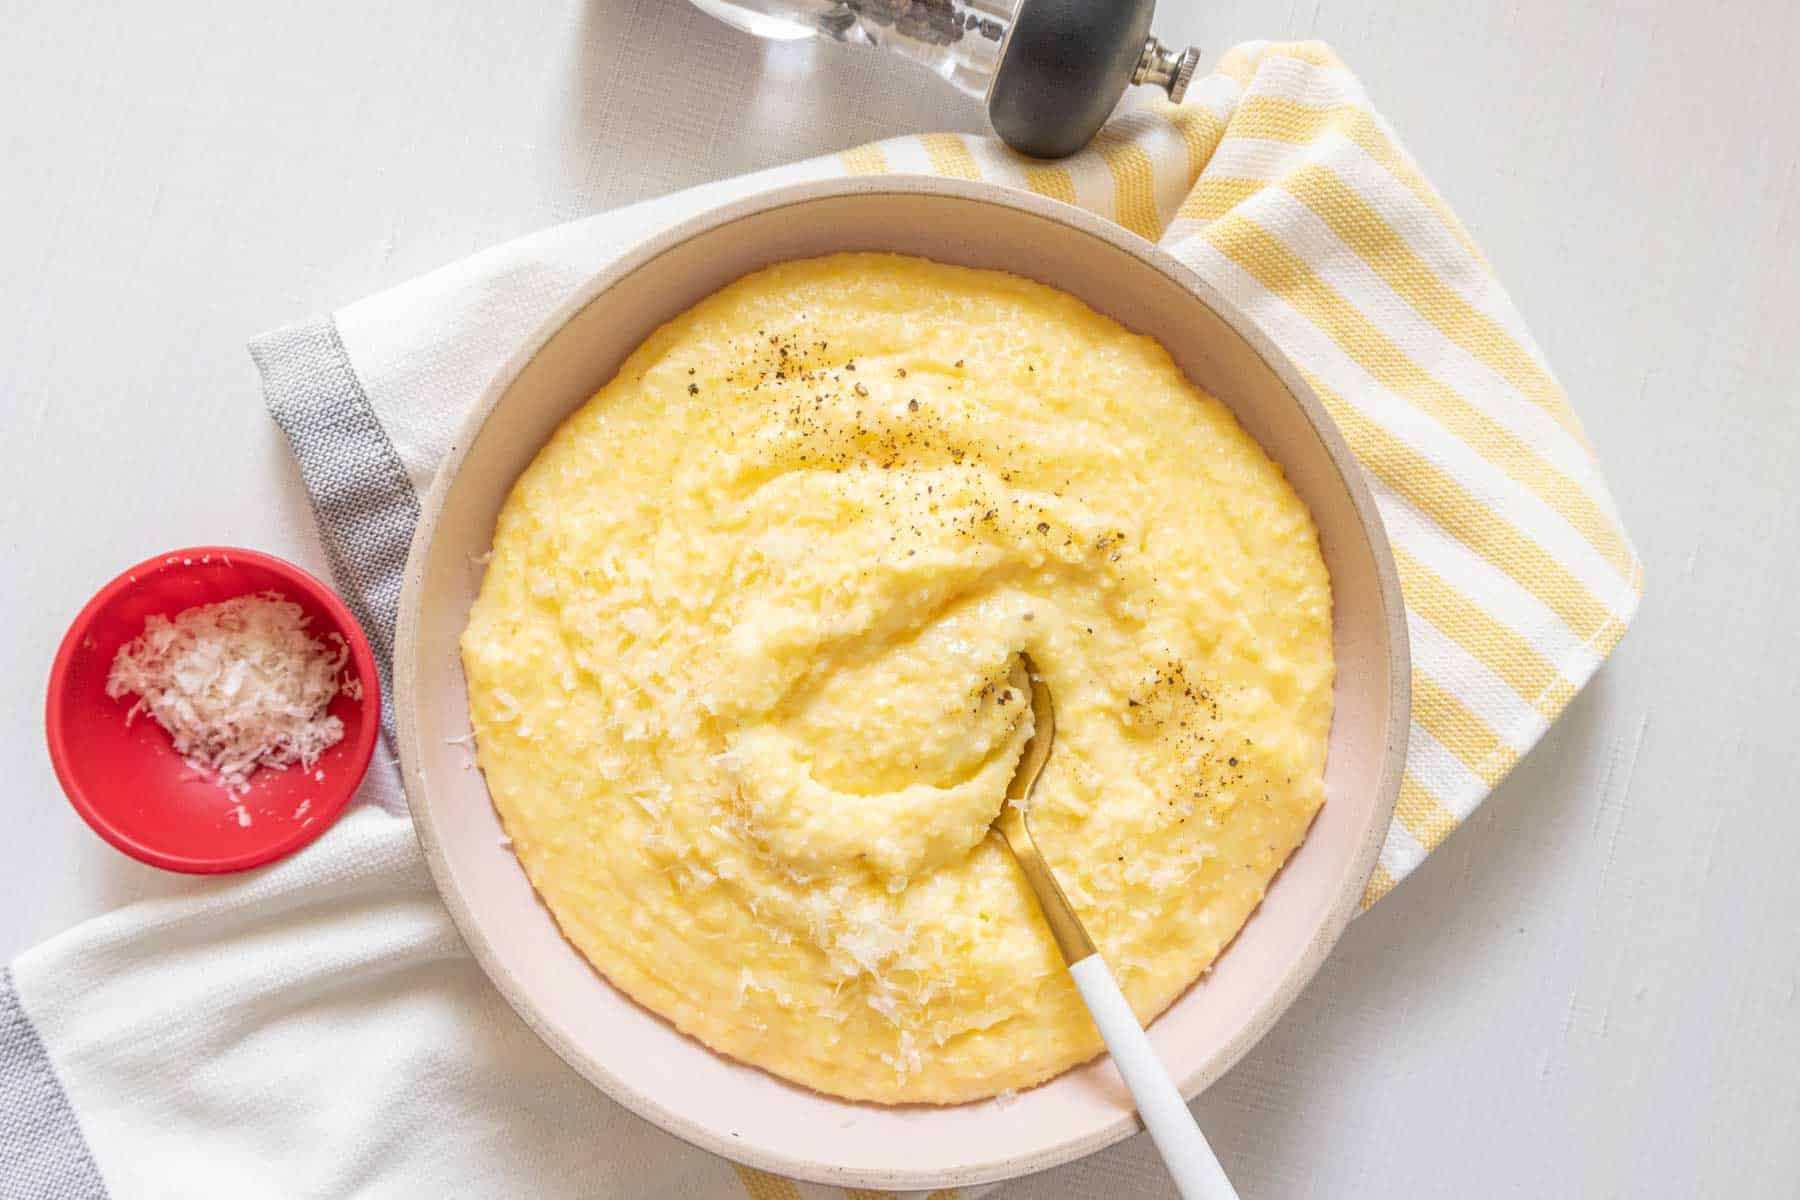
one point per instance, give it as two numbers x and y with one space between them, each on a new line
1049 71
960 40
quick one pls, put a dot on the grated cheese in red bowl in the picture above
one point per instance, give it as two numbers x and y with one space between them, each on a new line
238 685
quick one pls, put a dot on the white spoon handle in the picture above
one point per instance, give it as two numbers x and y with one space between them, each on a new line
1178 1139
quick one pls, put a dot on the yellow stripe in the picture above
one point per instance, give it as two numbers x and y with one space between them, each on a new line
1498 648
1423 816
1215 196
1280 119
1554 699
1134 182
1380 884
1288 275
1200 130
950 155
865 160
760 1185
1460 730
1360 227
1054 182
1469 521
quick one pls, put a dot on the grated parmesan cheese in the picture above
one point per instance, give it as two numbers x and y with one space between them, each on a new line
237 685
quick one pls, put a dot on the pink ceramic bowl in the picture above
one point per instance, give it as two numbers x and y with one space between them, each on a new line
640 1060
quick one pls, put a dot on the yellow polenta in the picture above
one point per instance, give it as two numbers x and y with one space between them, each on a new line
743 672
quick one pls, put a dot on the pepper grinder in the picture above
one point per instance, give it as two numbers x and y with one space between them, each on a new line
1049 71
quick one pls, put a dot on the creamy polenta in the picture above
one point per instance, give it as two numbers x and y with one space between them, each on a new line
743 672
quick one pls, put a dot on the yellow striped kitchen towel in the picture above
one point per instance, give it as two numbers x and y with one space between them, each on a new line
1280 184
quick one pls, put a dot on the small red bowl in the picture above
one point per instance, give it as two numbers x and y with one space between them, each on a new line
127 781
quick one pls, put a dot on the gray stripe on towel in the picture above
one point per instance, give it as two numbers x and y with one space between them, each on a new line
360 494
42 1153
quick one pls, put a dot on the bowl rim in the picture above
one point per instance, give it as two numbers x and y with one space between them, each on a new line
642 253
62 754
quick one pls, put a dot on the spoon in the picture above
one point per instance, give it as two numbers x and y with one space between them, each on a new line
1177 1136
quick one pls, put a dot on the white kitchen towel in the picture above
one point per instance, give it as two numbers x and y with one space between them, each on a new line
316 1028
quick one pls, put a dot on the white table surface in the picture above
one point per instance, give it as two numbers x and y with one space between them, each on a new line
1591 989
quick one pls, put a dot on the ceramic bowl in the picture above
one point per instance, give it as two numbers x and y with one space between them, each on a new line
642 1061
125 778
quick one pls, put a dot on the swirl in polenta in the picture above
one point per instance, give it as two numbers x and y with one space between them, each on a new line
743 672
